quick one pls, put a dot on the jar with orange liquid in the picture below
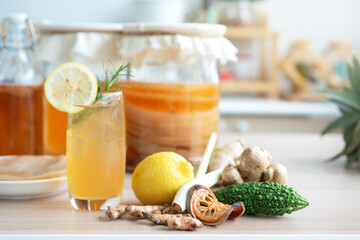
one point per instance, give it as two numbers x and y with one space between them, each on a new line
21 92
54 130
172 102
176 116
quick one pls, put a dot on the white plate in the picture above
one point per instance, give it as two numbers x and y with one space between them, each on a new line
29 189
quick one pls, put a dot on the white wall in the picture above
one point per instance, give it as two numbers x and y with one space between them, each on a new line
319 20
97 10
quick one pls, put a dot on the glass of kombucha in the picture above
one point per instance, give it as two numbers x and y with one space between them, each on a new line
55 121
95 154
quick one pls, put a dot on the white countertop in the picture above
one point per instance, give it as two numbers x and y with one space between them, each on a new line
266 107
330 189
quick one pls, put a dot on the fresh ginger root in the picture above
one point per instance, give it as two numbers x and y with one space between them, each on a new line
222 156
135 210
275 173
175 221
230 175
252 163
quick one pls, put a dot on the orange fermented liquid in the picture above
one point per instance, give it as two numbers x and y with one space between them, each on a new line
54 131
96 152
21 119
169 117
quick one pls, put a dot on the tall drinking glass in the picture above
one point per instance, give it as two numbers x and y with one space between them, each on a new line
95 149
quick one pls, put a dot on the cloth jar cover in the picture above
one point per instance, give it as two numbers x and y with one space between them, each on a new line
133 43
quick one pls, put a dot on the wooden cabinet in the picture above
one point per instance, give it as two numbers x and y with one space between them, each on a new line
267 85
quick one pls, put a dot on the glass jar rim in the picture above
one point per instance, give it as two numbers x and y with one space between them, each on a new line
189 29
101 102
119 92
106 97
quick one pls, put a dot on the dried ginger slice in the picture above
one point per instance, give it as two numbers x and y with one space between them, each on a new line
203 205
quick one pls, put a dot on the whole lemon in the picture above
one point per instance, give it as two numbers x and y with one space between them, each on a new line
157 178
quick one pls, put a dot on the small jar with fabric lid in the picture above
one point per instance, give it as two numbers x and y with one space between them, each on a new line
172 102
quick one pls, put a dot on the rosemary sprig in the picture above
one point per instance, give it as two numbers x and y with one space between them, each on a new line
104 86
109 83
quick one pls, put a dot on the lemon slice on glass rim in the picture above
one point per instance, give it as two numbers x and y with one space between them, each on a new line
70 85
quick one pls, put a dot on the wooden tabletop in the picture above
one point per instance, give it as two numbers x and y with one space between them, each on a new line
332 191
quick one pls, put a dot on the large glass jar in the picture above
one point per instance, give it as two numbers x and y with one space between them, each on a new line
172 102
21 94
170 107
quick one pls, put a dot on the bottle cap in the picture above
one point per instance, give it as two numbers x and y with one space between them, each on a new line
19 22
18 19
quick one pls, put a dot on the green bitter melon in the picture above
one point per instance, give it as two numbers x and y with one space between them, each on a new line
263 198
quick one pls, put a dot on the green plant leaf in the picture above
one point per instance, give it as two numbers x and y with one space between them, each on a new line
357 132
351 159
346 97
342 122
336 156
354 75
350 143
349 149
343 107
120 85
348 133
348 102
358 156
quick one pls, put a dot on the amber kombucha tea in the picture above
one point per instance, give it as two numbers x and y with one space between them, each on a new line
54 130
96 155
169 117
21 119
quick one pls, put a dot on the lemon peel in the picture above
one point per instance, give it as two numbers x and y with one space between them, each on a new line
70 84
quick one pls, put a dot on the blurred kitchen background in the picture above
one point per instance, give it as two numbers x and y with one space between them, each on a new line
286 50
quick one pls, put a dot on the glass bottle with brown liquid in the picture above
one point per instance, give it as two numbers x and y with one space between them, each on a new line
21 95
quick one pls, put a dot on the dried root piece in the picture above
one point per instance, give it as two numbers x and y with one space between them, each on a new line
275 173
169 210
137 211
116 212
184 223
174 221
